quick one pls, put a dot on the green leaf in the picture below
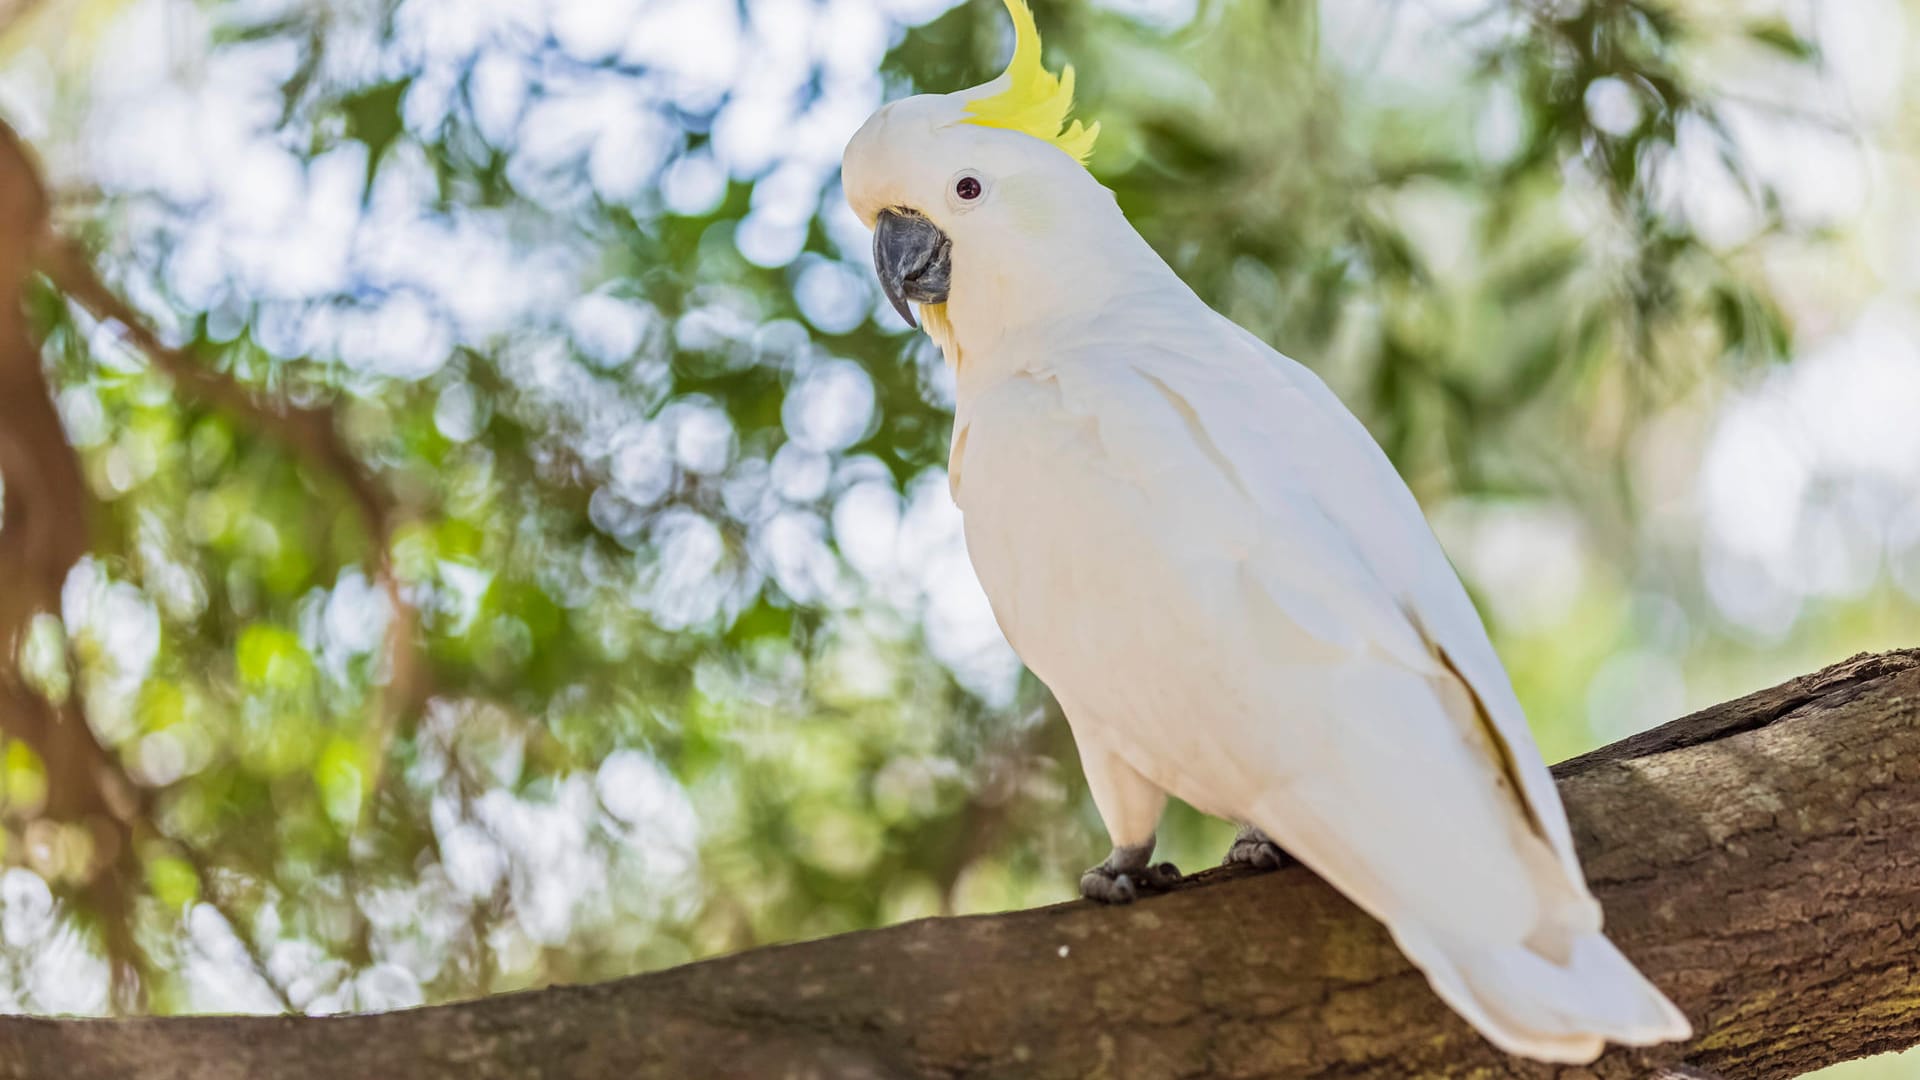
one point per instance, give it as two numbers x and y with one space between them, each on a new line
373 117
25 780
339 777
1775 34
1538 274
272 657
163 703
173 882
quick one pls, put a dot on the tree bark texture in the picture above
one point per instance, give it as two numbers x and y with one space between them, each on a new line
1760 860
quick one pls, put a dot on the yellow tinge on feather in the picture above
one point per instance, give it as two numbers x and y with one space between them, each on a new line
1034 100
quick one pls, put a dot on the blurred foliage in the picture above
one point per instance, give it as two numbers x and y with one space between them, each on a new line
704 665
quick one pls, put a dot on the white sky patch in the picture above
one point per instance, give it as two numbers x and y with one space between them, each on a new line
1803 477
115 631
1633 691
688 580
800 475
1162 15
304 971
703 436
475 864
693 184
662 829
913 552
1613 106
1527 559
346 622
66 975
609 330
385 987
457 413
219 974
696 45
555 870
1692 183
1499 124
26 908
794 544
1396 52
829 407
402 337
962 633
866 521
640 465
596 29
834 296
497 89
83 417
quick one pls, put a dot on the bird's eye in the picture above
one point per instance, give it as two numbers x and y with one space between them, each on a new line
967 188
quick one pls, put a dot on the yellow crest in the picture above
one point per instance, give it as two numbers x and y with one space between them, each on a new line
1033 100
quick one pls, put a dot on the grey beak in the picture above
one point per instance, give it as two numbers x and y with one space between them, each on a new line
913 258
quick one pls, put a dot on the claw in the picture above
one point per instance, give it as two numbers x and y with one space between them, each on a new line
1104 885
1253 848
1161 876
1120 879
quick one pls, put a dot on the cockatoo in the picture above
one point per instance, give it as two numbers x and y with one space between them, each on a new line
1220 576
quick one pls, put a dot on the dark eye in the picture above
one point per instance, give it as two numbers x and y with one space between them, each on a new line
967 188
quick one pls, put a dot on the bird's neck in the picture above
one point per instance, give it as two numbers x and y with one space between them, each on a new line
1066 291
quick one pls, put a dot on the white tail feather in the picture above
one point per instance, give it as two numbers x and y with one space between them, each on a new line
1528 1005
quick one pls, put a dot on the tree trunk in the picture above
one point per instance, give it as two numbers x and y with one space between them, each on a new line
1760 860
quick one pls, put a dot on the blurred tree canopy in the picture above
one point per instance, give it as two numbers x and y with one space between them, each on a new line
520 549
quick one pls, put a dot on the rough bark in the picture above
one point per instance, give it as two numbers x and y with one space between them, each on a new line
1760 860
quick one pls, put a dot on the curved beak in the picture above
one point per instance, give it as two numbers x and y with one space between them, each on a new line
913 258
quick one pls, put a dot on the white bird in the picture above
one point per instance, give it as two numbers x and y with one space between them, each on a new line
1220 576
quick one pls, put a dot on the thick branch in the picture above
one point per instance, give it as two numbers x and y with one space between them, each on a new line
44 508
15 14
44 514
1761 860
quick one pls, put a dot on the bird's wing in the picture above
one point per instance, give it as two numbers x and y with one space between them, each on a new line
1214 558
1322 452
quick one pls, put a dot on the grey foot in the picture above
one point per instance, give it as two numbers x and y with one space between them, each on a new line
1256 849
1126 872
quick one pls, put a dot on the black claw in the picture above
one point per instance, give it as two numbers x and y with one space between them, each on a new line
1104 885
1259 854
1161 876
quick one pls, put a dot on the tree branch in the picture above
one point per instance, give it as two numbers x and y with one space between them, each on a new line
310 433
46 513
1760 860
15 14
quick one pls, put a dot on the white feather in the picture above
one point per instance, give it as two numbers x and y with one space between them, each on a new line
1234 595
1197 545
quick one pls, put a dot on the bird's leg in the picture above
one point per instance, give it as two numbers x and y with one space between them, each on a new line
1251 847
1130 804
1127 871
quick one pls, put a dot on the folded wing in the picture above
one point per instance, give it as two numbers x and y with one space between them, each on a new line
1209 555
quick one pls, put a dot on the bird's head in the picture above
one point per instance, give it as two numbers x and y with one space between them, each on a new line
978 180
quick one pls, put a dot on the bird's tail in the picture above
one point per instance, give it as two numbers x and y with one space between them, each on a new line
1527 1004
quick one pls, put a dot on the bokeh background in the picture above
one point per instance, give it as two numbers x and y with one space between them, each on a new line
518 544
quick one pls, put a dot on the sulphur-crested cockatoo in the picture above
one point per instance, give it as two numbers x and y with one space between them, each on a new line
1221 577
